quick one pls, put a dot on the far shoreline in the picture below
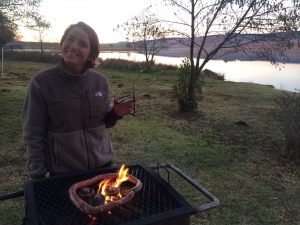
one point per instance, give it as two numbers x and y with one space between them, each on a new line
173 51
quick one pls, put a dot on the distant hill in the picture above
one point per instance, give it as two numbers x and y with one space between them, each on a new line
177 49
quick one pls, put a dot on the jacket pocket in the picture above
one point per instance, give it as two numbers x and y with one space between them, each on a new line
98 106
99 146
64 114
67 152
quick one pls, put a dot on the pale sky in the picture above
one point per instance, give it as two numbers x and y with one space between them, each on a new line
102 15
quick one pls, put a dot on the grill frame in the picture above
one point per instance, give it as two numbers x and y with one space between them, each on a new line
182 212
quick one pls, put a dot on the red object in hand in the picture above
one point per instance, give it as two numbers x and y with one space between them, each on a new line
123 108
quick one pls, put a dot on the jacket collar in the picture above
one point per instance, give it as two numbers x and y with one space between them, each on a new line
63 70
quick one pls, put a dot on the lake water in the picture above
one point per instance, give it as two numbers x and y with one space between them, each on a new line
286 77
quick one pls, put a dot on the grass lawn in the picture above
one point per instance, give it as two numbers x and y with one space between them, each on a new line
241 165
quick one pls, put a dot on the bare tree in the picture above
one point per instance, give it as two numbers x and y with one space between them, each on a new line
40 25
146 35
217 28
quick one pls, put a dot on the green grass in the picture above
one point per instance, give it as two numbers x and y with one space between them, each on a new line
240 165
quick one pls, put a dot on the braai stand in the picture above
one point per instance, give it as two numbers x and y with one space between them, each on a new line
158 203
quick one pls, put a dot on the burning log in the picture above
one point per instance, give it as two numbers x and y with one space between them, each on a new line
110 194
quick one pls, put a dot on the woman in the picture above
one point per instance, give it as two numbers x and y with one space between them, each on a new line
68 108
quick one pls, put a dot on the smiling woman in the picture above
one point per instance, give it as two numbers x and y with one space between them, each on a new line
68 108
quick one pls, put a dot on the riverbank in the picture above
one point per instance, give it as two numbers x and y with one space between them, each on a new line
282 76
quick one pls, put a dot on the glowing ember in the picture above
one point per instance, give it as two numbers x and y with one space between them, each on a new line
92 220
110 188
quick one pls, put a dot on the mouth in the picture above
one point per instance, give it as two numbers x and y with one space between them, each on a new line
71 53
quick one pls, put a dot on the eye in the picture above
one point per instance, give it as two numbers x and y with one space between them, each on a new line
69 39
83 44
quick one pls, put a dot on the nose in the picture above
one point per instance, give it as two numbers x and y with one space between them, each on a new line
74 45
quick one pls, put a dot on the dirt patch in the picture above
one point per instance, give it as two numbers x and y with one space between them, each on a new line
4 90
188 116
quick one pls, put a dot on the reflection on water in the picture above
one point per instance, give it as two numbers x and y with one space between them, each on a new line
287 77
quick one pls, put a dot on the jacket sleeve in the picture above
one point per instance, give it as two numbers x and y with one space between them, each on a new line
34 124
111 118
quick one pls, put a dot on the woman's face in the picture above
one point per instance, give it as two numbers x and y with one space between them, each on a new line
75 50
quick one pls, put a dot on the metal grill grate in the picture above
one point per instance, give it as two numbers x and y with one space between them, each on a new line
48 201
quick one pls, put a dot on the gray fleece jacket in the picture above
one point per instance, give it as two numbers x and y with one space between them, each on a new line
65 117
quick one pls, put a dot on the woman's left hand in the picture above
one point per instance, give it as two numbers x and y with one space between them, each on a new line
124 108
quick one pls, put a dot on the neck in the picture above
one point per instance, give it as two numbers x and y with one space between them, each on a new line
75 70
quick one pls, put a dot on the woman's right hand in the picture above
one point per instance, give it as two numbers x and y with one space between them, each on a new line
124 108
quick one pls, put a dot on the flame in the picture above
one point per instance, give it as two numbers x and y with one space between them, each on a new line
121 176
113 183
102 187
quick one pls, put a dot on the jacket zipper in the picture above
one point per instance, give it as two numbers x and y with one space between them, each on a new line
87 149
83 100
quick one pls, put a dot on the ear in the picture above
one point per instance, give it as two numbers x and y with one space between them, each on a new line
60 50
90 58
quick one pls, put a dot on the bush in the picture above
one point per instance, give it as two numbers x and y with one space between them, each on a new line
32 56
123 64
287 113
208 74
186 92
54 57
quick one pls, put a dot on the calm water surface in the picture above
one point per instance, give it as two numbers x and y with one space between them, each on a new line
286 77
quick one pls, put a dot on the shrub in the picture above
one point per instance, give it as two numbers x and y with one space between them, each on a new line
185 91
287 113
123 64
32 56
208 74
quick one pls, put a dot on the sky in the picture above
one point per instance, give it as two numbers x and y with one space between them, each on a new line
102 15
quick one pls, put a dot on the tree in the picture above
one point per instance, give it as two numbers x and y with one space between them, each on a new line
19 10
217 28
8 30
16 12
40 25
146 34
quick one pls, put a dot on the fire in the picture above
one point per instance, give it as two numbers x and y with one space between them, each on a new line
110 188
121 176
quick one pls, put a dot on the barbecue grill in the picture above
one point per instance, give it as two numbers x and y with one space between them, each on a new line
47 200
